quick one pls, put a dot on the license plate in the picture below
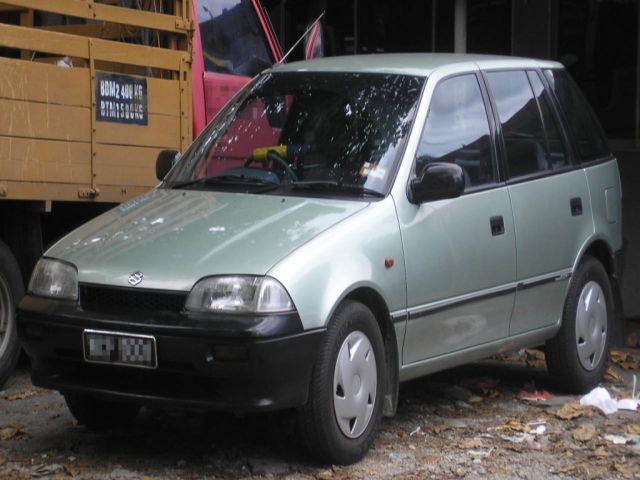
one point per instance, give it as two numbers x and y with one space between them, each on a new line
117 348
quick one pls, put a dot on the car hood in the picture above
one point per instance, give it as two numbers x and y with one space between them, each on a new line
175 237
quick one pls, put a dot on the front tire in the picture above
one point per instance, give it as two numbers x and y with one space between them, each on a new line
577 357
98 414
11 292
341 418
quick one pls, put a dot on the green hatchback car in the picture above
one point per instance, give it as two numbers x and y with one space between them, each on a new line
342 226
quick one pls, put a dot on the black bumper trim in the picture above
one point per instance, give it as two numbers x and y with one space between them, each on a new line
274 374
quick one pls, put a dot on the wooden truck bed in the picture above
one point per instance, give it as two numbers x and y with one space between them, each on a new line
90 131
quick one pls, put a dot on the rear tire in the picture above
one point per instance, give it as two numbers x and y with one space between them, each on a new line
341 418
11 292
578 355
98 414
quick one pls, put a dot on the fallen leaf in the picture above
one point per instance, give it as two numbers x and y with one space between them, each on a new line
470 443
584 433
612 376
515 426
632 429
572 410
600 452
441 428
73 472
2 461
475 399
632 340
623 470
22 395
146 477
565 469
8 433
534 358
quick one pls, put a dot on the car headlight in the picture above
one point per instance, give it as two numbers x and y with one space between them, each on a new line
239 294
55 279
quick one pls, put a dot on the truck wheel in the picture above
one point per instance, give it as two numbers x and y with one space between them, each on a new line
11 292
98 414
577 357
340 420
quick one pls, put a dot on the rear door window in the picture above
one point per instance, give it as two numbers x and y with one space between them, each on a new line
583 125
523 132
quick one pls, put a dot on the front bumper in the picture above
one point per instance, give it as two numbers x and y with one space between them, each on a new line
274 373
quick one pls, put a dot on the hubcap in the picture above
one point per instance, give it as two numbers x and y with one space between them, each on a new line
355 380
6 313
591 325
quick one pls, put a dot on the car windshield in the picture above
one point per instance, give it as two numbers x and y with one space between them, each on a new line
326 134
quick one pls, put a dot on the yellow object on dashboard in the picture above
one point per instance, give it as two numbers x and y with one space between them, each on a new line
261 153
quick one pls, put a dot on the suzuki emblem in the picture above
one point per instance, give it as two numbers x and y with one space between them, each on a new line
135 278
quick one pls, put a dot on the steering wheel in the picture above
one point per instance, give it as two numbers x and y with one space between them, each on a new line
275 158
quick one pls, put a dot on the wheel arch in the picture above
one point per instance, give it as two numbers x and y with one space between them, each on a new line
376 303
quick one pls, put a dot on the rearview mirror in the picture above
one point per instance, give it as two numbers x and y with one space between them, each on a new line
437 181
166 160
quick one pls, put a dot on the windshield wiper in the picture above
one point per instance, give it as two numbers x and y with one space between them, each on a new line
226 180
336 187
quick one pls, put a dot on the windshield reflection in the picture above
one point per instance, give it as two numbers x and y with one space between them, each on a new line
305 129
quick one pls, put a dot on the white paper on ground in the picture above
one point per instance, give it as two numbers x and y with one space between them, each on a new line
599 397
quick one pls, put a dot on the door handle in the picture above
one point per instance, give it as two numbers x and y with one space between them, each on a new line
497 225
576 206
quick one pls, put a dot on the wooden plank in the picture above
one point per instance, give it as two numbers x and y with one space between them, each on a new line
101 12
125 166
31 160
13 36
105 31
163 131
39 82
163 96
44 121
131 54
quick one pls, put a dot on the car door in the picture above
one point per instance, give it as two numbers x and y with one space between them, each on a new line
460 253
549 197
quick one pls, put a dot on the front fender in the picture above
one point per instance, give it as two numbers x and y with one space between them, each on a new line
353 253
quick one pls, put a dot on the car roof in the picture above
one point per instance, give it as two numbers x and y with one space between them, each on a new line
418 64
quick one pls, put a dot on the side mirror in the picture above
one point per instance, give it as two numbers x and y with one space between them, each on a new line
166 160
437 181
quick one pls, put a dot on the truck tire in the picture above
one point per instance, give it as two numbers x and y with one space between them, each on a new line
11 292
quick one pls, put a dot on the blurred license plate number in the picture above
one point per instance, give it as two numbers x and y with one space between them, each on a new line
120 349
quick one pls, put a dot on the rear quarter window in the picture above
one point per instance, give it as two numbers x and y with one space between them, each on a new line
581 121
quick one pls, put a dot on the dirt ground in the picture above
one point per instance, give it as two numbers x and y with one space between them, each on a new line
473 422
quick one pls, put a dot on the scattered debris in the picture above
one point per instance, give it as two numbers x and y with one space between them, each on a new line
572 410
625 360
599 397
46 470
535 396
616 439
611 376
416 431
471 443
7 433
22 395
584 432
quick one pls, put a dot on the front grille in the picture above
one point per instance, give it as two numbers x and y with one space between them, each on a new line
94 298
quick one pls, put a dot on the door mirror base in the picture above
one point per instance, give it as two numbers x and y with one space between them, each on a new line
437 181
